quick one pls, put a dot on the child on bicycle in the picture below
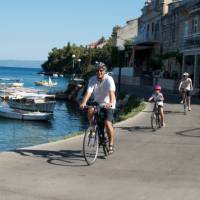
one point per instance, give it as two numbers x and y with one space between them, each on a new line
157 97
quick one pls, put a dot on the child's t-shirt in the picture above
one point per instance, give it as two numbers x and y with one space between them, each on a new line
157 98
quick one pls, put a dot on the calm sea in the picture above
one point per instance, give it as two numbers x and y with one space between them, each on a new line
16 134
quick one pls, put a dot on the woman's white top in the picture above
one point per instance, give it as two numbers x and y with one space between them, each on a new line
186 84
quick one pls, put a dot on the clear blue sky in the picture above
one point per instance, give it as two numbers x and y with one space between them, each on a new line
29 29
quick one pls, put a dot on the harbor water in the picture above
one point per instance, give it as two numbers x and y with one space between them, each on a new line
17 134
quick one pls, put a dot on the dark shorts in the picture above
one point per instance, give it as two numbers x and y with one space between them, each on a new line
108 113
187 93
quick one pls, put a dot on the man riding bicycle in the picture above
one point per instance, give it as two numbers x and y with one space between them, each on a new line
185 88
102 86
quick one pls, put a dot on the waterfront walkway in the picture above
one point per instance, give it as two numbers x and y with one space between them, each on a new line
162 165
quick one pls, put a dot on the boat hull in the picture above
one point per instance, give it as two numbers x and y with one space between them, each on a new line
24 115
41 107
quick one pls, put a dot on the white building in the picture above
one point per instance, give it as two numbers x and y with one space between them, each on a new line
127 32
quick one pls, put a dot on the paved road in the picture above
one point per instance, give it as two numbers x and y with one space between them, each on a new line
146 165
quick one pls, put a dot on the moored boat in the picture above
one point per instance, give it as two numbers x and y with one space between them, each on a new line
7 112
46 83
33 103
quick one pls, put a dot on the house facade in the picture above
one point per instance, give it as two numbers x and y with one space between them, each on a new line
191 42
181 34
168 36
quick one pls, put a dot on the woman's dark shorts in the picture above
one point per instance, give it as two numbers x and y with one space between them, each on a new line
187 93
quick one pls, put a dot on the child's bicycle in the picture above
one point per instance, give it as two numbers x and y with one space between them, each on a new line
95 137
155 117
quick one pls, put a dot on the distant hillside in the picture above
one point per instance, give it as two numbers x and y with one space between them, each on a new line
21 63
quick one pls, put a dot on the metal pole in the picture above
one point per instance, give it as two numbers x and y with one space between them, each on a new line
119 50
119 74
73 64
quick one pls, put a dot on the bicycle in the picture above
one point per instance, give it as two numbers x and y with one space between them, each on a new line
185 106
95 137
155 117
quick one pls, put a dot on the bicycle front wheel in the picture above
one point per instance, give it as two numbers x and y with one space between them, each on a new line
154 122
90 145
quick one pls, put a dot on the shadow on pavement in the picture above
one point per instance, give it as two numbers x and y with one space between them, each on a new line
72 158
136 128
173 112
195 132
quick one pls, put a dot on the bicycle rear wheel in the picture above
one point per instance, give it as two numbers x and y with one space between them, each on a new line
185 108
185 105
90 145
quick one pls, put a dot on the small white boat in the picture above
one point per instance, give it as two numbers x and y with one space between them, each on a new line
55 75
33 103
6 82
46 83
16 84
7 112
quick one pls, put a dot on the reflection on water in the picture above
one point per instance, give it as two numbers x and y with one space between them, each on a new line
15 133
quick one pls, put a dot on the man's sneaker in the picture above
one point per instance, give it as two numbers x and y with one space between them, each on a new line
181 101
189 109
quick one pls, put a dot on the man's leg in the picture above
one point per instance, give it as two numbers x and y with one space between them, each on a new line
90 114
110 131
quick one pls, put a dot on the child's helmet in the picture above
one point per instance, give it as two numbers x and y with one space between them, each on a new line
157 87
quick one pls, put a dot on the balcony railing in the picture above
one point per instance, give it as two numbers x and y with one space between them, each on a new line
191 41
146 39
195 7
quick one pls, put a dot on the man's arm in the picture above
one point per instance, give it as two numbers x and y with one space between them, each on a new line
112 98
85 100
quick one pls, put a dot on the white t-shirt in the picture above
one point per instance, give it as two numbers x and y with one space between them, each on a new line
101 89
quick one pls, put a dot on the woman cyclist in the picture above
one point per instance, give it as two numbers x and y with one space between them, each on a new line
185 88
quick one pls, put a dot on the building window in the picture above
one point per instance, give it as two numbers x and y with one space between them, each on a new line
186 28
173 34
152 27
148 27
195 22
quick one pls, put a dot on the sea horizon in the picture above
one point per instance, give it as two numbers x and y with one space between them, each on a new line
21 63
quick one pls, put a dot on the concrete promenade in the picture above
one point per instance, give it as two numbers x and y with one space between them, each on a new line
161 165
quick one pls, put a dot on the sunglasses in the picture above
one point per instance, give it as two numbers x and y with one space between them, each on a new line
99 70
